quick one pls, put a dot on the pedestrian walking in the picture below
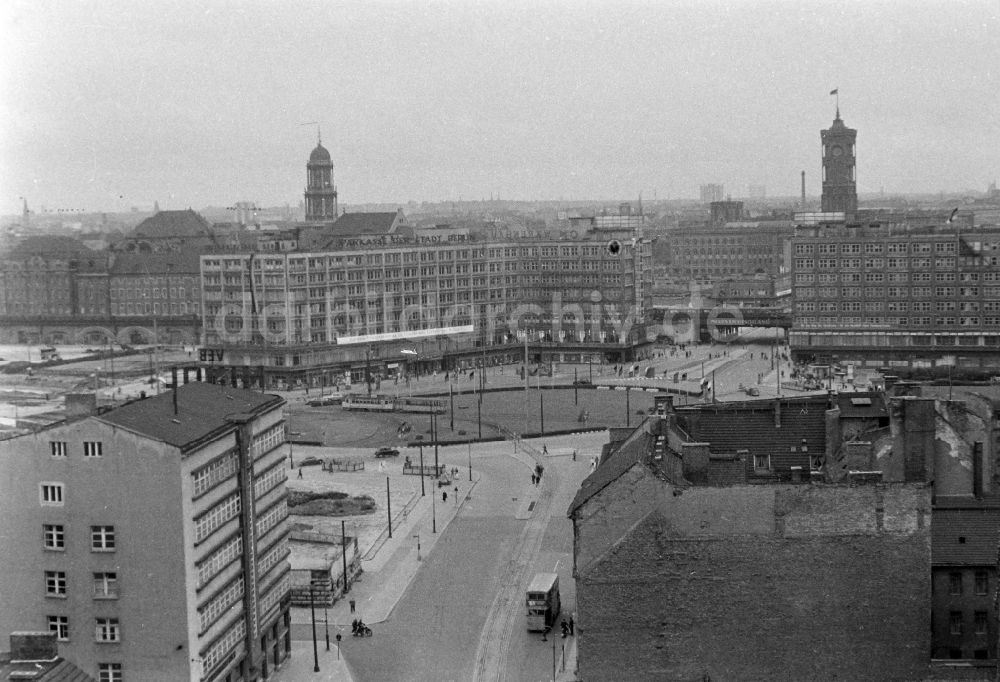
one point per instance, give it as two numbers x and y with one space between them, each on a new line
574 455
545 449
300 471
444 496
534 479
352 606
571 624
456 495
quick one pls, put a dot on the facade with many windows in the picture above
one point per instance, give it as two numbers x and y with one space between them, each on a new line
906 296
152 539
708 254
312 316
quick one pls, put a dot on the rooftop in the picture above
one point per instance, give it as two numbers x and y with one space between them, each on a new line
202 410
965 531
167 224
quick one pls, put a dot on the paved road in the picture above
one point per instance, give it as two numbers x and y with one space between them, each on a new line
462 616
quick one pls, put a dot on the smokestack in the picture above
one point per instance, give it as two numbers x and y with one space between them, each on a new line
977 469
803 190
173 379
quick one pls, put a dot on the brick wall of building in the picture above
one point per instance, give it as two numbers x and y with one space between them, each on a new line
763 583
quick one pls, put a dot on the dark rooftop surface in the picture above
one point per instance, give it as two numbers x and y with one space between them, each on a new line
201 411
49 245
166 224
628 453
965 531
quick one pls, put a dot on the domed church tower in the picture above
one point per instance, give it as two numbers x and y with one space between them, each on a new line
321 193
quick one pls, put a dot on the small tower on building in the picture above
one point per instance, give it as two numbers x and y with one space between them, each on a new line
840 191
321 193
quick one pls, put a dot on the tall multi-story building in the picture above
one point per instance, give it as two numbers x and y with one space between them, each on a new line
711 192
711 253
152 538
897 294
311 317
840 191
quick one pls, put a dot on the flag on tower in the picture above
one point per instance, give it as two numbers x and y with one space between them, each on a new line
834 91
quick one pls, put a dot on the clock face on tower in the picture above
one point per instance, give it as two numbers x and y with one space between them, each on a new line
837 150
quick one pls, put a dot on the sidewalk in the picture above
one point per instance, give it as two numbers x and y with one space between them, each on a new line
382 583
301 664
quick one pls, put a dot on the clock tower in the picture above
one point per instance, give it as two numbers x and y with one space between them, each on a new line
321 193
840 192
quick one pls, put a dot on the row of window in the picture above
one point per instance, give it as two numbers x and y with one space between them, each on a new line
874 248
874 263
898 306
893 321
227 509
228 552
894 277
102 538
216 471
106 630
104 584
156 309
956 622
895 292
980 585
60 448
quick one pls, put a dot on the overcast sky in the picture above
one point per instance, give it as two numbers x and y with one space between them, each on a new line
107 105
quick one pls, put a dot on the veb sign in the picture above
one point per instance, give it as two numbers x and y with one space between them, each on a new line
210 354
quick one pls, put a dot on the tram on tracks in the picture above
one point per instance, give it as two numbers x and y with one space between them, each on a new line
389 403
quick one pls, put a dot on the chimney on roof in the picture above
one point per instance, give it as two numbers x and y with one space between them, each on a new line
33 646
80 405
978 469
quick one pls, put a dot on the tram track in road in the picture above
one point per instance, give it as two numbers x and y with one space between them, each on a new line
498 628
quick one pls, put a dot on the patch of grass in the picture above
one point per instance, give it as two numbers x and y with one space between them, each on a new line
333 503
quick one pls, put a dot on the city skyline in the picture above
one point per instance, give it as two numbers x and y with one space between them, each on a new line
107 105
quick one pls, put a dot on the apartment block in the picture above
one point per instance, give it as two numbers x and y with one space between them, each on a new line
152 538
891 293
313 317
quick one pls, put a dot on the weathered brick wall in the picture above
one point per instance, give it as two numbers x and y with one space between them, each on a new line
764 583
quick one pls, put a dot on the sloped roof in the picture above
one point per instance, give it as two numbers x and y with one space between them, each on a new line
750 425
59 670
351 224
48 245
166 224
201 412
965 532
160 262
630 452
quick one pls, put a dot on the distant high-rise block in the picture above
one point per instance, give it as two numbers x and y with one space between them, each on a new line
712 192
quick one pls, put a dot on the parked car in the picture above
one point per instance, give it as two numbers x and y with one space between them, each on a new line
386 452
324 400
753 390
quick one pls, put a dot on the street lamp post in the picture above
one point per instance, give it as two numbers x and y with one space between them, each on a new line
343 552
312 610
326 626
470 461
422 491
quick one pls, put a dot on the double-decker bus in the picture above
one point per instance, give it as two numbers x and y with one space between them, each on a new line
543 601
